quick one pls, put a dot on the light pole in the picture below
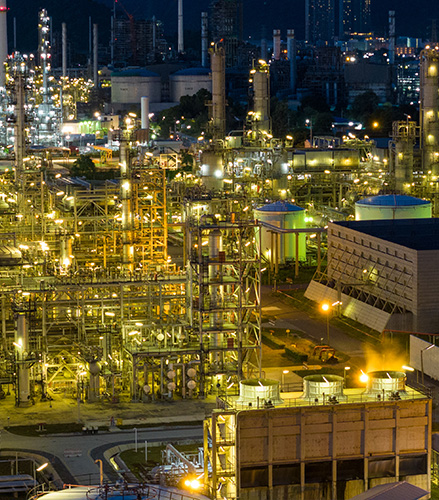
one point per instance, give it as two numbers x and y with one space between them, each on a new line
422 360
284 372
308 122
326 308
346 368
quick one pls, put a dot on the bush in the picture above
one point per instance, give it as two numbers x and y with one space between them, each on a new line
272 341
295 355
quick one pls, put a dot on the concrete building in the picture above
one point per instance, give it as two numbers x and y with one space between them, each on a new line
319 20
385 272
308 449
354 16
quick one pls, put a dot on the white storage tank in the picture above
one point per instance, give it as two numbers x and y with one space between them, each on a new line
189 81
259 391
283 215
130 85
392 206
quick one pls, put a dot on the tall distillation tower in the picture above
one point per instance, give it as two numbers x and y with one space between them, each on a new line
3 41
429 109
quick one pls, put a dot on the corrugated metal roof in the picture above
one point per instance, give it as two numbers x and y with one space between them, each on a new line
393 491
392 200
280 206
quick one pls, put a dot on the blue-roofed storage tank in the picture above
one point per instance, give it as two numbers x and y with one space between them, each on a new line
283 215
392 206
189 81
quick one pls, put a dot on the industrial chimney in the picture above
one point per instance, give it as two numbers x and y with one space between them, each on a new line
204 48
180 27
291 49
392 37
3 41
276 45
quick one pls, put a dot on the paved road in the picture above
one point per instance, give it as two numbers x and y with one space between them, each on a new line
92 447
286 316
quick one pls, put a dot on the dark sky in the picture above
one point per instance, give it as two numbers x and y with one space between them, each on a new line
413 18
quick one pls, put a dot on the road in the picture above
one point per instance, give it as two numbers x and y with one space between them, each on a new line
79 469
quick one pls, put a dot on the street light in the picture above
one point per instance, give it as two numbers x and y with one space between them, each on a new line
346 368
308 122
325 307
283 378
422 360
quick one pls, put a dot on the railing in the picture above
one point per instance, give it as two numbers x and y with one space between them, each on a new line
228 403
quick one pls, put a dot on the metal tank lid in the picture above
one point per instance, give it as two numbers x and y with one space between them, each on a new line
392 200
280 206
134 72
193 72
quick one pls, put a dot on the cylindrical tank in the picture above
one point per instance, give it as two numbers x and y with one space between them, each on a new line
391 206
129 86
323 387
283 215
382 382
189 81
261 97
429 109
212 169
259 390
144 112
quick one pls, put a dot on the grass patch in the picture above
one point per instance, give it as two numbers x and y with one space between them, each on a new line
188 422
35 430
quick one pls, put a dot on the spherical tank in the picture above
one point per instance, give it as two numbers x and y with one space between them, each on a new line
129 86
391 206
283 215
189 82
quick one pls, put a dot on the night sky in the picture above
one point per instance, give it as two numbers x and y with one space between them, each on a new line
412 18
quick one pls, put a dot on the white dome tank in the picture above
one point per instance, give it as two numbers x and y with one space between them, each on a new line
283 215
392 206
189 81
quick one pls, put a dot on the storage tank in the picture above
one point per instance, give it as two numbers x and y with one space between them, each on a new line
212 169
189 81
327 388
392 206
387 384
259 391
283 215
130 85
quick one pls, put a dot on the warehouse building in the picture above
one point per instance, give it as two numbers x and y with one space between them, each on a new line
385 273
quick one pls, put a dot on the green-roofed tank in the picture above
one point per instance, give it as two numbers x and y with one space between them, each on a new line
392 206
283 215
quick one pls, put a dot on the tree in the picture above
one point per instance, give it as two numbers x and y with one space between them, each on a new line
364 105
83 167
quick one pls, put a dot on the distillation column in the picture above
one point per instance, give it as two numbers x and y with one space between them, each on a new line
95 56
404 138
291 50
216 295
64 50
429 110
22 349
127 216
261 97
3 41
218 64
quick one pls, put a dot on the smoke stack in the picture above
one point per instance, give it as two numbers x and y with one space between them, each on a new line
204 39
3 41
218 66
95 56
144 112
276 45
392 37
291 48
64 49
180 27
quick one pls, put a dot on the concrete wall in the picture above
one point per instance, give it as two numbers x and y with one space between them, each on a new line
427 310
332 452
430 357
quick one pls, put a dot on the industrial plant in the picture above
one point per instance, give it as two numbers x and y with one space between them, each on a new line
143 284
